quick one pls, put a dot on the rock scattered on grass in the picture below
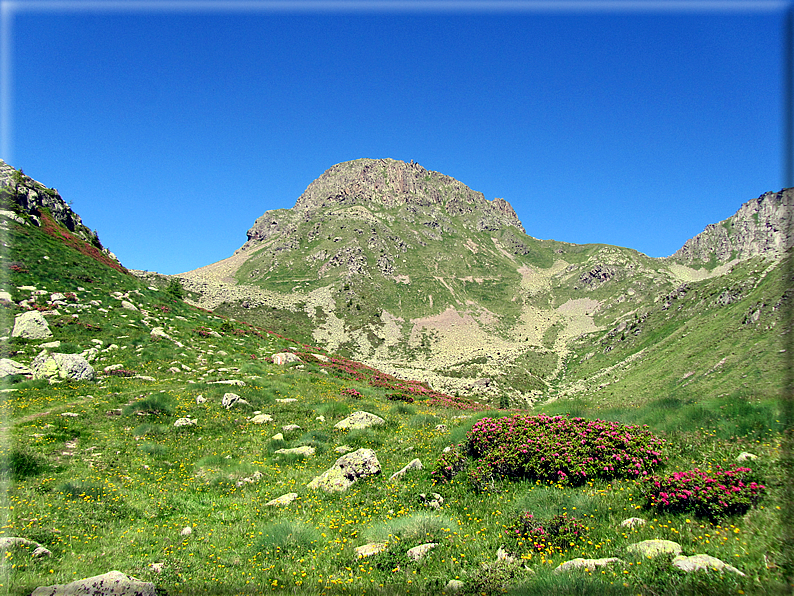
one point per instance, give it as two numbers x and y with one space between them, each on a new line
414 464
346 470
282 500
654 548
304 450
701 561
359 420
31 325
587 564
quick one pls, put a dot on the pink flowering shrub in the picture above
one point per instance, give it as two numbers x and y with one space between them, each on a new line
706 494
561 449
449 464
350 392
560 532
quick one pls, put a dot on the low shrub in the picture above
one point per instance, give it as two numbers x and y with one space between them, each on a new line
449 464
560 532
561 449
713 494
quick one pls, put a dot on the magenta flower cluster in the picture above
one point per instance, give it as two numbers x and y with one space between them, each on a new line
712 494
561 449
559 532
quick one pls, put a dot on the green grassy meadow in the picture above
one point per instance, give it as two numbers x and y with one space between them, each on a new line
98 474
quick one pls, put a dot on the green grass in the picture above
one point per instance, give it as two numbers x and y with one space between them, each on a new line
104 490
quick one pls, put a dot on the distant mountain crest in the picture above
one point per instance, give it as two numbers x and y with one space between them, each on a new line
761 226
389 183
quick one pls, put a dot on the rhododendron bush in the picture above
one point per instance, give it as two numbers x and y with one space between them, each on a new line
561 449
712 494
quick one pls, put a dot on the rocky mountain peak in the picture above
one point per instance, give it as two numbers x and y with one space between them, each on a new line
389 184
761 226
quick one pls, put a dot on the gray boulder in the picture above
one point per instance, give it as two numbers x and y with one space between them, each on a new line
697 562
10 367
282 500
31 325
305 450
415 464
654 548
285 358
418 552
232 399
346 470
359 420
71 367
112 583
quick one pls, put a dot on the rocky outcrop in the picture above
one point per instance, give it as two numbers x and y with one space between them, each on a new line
32 197
382 183
761 226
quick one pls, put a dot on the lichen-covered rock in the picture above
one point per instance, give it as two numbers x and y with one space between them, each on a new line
185 422
62 366
373 548
31 325
112 583
346 470
654 548
359 420
232 399
304 450
282 500
420 551
697 562
10 367
746 456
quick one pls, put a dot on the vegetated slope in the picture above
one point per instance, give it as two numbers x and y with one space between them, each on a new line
415 273
144 471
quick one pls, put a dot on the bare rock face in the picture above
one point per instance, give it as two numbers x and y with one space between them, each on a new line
759 227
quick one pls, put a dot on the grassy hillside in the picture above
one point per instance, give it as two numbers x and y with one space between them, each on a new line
97 472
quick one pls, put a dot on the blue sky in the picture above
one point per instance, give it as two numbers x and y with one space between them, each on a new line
172 128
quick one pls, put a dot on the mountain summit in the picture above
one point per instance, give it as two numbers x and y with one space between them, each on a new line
413 272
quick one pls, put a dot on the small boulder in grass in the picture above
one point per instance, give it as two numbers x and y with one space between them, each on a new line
586 564
654 548
632 522
186 531
359 420
418 552
746 456
282 500
698 562
232 399
373 548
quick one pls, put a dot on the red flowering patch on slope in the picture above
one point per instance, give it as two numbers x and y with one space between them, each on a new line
57 231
